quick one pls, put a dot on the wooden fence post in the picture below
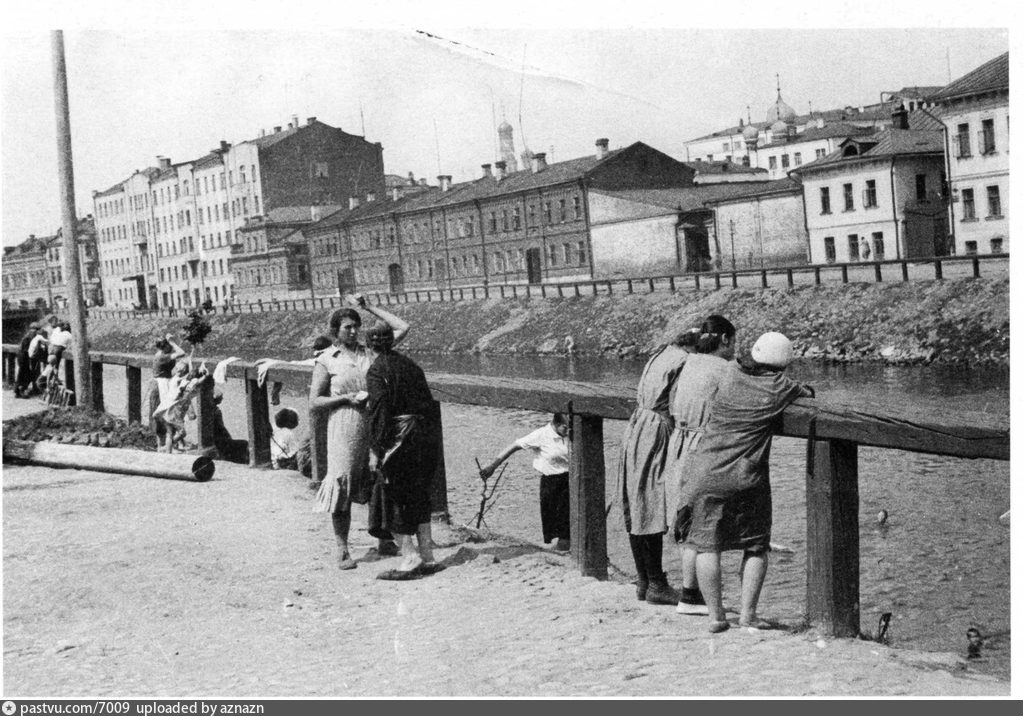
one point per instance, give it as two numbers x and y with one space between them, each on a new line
204 414
817 275
717 280
629 284
763 278
833 538
318 420
671 283
96 381
650 283
586 495
976 267
937 270
696 282
877 271
905 271
257 414
735 280
845 273
133 380
439 484
788 277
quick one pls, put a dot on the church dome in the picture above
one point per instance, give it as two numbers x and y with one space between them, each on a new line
750 133
504 127
779 111
779 129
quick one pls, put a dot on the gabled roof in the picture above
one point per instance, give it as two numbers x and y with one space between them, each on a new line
688 198
886 143
992 75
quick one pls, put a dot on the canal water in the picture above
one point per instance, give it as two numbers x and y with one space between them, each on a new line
939 564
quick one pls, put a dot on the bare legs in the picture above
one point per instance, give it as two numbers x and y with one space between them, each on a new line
688 568
708 572
342 521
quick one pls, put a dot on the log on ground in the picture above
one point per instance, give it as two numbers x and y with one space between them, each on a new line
195 468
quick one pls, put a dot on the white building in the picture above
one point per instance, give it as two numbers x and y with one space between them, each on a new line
975 112
878 197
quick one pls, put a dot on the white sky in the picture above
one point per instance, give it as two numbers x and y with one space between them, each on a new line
177 83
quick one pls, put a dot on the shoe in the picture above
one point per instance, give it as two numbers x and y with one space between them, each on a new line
562 545
660 592
718 627
692 603
388 549
347 563
641 588
428 568
402 575
756 623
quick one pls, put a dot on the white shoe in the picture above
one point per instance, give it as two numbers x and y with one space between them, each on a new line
696 609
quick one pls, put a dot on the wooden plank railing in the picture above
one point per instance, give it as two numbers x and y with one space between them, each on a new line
833 432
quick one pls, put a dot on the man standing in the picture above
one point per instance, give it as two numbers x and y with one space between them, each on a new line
403 453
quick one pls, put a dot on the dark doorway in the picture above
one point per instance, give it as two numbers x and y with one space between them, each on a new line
345 281
533 267
440 272
396 278
697 249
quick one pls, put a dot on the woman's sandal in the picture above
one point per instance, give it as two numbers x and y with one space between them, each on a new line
716 627
756 623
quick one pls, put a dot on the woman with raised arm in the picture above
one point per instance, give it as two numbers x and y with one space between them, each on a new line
167 354
339 386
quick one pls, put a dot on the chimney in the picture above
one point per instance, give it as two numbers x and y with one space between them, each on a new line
164 162
224 146
601 148
277 129
289 125
539 162
395 194
422 182
900 119
315 212
820 123
502 170
294 121
353 202
445 181
310 120
371 196
487 171
411 179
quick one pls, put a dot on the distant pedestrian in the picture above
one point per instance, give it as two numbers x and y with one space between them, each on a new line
727 497
549 446
864 249
38 349
25 380
640 472
404 433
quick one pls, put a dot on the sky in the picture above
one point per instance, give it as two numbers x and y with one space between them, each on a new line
431 86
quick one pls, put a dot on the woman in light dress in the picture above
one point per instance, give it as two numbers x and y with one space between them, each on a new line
339 385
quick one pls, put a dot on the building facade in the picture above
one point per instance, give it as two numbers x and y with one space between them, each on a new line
974 110
33 271
879 197
169 232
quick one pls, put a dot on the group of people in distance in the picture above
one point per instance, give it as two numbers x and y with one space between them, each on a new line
695 459
39 354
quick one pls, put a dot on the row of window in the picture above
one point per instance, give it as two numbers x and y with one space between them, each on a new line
185 299
858 248
994 204
110 208
963 147
996 245
264 276
209 268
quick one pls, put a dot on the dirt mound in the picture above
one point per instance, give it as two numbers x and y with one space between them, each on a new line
80 426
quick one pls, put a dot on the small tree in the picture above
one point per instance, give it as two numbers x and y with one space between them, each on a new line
197 328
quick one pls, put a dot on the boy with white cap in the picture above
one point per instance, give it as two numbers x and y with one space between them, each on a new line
728 492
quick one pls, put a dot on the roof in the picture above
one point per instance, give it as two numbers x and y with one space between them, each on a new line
723 168
269 140
923 92
689 198
886 143
764 188
117 188
992 75
828 131
211 159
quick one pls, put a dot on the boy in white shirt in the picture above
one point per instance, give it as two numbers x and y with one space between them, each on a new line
550 458
284 444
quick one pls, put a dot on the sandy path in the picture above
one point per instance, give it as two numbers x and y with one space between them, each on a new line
130 586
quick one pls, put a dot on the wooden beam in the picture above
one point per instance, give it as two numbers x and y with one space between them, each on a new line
257 409
833 538
586 495
196 468
96 378
133 381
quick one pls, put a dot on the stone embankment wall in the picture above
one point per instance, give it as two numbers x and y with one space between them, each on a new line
964 321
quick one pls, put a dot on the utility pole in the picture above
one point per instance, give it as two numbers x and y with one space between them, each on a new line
69 224
731 232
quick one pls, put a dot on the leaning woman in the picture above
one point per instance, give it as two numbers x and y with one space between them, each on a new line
339 386
167 354
640 471
728 488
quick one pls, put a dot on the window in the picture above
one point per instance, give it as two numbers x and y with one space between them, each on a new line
504 220
847 194
986 138
577 204
493 222
825 200
516 219
854 247
319 170
562 215
870 194
829 249
877 238
969 208
552 255
798 159
820 153
921 187
962 141
996 246
532 215
567 253
971 247
994 203
772 163
784 161
547 211
469 227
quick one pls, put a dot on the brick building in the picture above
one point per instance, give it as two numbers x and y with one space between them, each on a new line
33 271
529 226
168 233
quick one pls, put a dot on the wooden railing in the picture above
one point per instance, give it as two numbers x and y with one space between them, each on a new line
834 432
869 271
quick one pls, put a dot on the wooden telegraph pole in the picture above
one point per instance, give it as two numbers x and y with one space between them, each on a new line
69 221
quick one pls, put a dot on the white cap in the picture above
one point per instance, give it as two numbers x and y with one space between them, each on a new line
772 349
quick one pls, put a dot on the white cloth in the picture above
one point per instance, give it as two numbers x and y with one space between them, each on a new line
550 450
220 372
60 338
284 444
36 346
262 366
